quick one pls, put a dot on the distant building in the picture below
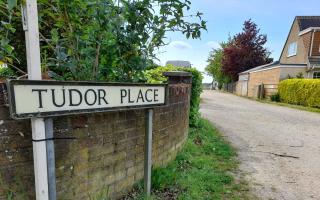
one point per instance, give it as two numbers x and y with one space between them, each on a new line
179 63
210 86
300 57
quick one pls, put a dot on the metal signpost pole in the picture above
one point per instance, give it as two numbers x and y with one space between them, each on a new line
30 25
148 153
51 159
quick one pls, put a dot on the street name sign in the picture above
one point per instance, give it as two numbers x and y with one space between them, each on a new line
29 98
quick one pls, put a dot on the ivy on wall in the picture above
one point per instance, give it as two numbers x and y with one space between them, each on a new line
156 76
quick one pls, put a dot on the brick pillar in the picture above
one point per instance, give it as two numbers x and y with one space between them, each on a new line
176 77
179 86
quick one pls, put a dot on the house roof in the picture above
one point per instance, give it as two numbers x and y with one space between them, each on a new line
260 67
308 21
304 22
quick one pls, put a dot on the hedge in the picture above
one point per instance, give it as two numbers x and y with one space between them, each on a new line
305 92
156 76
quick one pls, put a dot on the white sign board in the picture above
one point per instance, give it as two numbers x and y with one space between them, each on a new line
52 98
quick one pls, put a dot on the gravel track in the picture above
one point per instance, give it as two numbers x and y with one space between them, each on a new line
278 147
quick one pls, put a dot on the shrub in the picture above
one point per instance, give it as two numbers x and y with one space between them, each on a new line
155 76
304 92
97 40
6 72
275 97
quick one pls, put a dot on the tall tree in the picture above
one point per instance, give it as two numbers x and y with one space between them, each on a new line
214 67
245 51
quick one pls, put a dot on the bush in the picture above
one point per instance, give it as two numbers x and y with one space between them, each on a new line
305 92
97 40
155 76
6 72
275 97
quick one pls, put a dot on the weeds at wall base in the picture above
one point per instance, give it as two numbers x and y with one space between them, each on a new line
202 170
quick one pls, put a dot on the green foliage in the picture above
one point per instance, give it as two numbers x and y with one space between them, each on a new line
214 67
289 77
305 92
300 75
8 30
97 40
155 76
6 72
239 53
202 170
195 95
10 196
102 194
275 97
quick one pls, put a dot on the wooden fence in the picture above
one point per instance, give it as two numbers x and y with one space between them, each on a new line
270 89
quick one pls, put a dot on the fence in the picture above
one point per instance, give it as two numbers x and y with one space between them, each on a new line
270 89
230 87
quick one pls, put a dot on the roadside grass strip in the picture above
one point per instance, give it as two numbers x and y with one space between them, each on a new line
202 170
298 107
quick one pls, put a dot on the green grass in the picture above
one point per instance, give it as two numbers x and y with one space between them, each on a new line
202 170
299 107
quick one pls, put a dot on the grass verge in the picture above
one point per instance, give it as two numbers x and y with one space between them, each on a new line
304 108
202 170
298 107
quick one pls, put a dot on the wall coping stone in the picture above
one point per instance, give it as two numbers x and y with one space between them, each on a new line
178 77
177 73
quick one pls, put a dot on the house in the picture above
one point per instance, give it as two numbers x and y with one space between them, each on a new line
300 57
179 63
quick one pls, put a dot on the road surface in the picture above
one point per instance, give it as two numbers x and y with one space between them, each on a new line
278 147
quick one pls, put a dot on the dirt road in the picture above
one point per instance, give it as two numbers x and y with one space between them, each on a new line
279 147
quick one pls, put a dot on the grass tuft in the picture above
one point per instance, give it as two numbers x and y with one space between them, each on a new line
202 170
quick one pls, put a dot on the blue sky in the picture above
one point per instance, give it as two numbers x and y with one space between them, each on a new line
226 17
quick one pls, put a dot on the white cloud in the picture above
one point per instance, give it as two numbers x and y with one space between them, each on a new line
180 45
213 45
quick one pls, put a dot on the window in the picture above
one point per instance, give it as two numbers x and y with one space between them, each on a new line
316 74
292 50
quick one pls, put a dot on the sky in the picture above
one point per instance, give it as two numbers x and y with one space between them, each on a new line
226 17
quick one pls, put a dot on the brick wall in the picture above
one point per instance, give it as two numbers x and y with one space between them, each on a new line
106 157
270 76
292 72
302 52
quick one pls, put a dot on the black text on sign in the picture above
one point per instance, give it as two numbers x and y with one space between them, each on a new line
49 98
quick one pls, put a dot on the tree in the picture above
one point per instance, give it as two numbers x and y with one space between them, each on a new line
214 67
245 51
113 40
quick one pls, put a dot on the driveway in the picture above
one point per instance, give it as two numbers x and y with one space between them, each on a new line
279 147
